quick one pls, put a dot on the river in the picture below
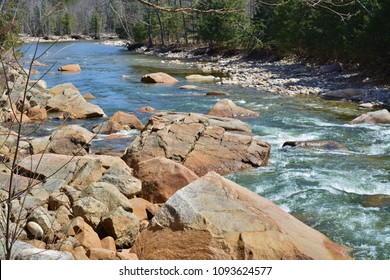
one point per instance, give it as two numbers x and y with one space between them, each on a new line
327 190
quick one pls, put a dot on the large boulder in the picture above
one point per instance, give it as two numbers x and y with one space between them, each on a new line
78 171
316 144
70 140
214 218
59 89
73 103
227 108
377 117
107 194
348 93
19 183
162 177
159 77
199 142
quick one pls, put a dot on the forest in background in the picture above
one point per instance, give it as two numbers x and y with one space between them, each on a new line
355 31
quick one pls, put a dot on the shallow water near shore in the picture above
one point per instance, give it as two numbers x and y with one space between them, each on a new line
327 190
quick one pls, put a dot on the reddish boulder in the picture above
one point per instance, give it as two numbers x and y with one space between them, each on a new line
37 113
214 218
126 119
199 142
227 108
162 177
159 77
70 68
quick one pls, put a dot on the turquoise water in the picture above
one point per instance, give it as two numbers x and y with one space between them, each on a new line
326 190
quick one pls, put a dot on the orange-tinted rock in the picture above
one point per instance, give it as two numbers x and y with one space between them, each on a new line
201 143
70 68
107 127
37 114
126 255
84 234
159 77
139 206
227 108
108 243
101 254
129 120
214 218
147 109
162 177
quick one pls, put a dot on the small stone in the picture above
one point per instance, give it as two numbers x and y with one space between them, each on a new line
35 229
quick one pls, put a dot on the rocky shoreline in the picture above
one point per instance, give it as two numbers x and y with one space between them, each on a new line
164 198
286 76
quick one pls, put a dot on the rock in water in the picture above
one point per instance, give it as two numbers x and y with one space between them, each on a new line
227 108
70 140
377 117
159 77
70 68
214 218
316 144
126 119
72 102
217 93
199 142
335 67
348 93
200 78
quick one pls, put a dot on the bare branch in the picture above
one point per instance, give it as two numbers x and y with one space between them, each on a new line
190 9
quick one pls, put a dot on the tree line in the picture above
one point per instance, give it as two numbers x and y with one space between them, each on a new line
356 30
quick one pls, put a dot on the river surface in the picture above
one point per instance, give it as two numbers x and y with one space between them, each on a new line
330 191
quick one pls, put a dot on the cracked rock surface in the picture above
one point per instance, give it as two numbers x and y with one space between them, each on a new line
199 142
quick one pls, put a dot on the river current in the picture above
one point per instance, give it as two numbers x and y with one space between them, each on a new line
330 191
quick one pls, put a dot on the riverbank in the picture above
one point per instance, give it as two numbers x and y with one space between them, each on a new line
288 76
312 182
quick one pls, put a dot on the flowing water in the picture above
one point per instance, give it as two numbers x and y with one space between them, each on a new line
334 192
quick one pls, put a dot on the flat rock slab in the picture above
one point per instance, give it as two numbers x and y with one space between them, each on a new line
214 218
199 142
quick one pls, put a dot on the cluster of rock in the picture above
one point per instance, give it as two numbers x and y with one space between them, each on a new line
23 98
97 207
286 76
77 205
164 198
